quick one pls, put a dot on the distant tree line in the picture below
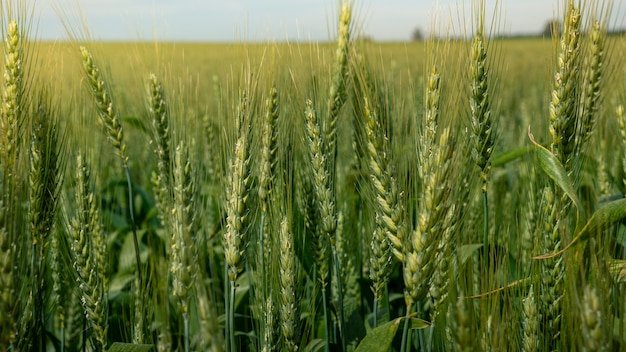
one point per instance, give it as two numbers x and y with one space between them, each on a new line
551 28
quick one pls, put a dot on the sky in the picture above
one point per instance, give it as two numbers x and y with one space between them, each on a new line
270 20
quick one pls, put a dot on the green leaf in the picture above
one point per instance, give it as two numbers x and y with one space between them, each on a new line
127 260
130 347
381 338
314 345
419 324
511 155
555 170
465 251
118 283
136 123
607 214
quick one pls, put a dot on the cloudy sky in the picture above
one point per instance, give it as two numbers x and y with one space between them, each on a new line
228 20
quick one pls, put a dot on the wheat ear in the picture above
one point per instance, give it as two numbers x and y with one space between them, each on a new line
481 115
110 120
593 74
530 323
594 326
184 228
553 271
12 104
11 119
621 120
288 303
43 180
7 292
238 190
563 122
161 127
338 92
88 260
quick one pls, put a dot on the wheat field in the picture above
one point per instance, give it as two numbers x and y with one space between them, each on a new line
452 194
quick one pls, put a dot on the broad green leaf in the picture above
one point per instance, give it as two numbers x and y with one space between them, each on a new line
130 347
419 324
555 170
119 282
127 260
465 251
136 123
381 338
511 155
314 345
608 213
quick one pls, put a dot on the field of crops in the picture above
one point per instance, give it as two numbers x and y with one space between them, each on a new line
445 195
